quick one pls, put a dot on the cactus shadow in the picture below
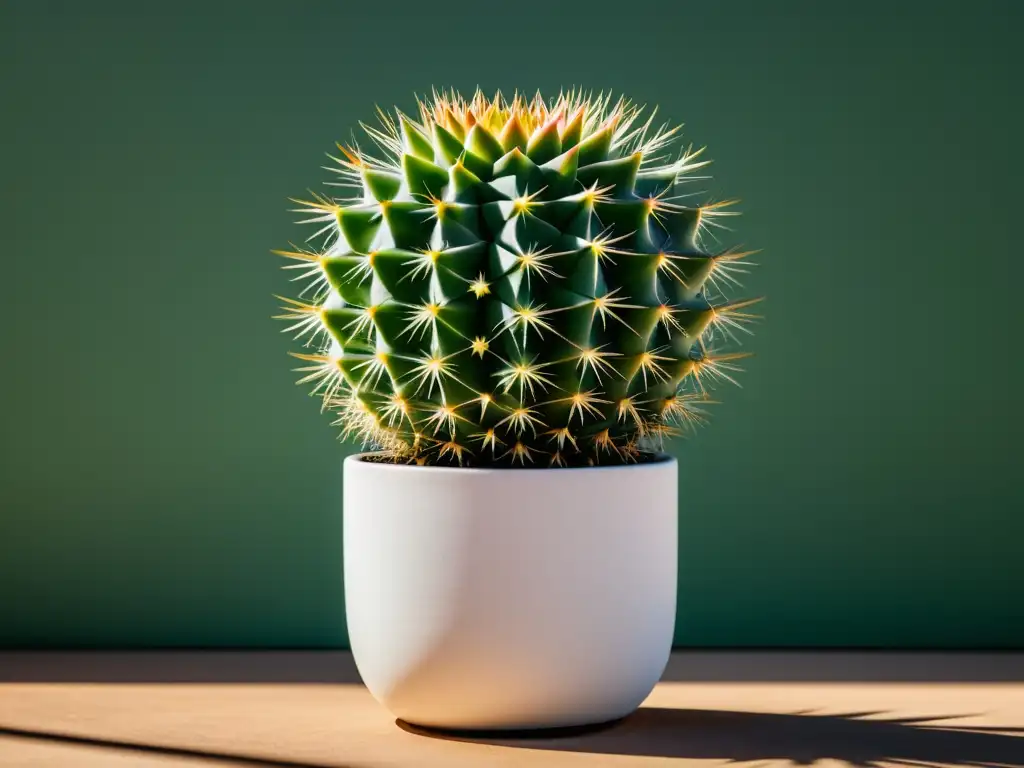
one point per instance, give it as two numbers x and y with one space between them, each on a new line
860 739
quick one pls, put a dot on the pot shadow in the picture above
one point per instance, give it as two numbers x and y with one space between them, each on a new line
204 756
801 738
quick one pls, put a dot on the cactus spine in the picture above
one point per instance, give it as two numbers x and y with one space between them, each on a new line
515 282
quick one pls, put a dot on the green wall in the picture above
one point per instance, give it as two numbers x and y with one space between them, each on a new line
163 481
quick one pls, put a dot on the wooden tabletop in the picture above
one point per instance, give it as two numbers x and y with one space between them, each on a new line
308 710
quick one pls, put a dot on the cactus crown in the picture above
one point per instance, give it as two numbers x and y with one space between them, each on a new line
515 282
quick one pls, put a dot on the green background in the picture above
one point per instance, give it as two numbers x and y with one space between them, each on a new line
164 482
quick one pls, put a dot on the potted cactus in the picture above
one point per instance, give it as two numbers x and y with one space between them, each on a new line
514 307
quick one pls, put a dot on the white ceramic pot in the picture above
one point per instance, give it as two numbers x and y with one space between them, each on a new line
510 598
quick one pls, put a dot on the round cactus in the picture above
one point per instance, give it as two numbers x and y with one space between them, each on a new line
515 282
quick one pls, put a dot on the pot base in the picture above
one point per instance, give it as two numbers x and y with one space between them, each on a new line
524 733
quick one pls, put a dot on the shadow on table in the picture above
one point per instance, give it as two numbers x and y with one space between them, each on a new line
799 738
207 757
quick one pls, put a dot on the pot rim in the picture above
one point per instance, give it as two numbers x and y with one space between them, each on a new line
659 459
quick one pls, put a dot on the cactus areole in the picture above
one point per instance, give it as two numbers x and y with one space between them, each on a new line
516 282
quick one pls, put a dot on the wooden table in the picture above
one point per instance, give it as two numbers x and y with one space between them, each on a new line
308 710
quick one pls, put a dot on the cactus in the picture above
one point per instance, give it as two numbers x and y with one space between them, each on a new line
515 282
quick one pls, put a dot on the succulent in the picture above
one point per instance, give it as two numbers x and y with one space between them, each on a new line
515 281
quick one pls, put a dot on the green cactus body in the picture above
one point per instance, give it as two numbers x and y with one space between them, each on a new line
515 282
